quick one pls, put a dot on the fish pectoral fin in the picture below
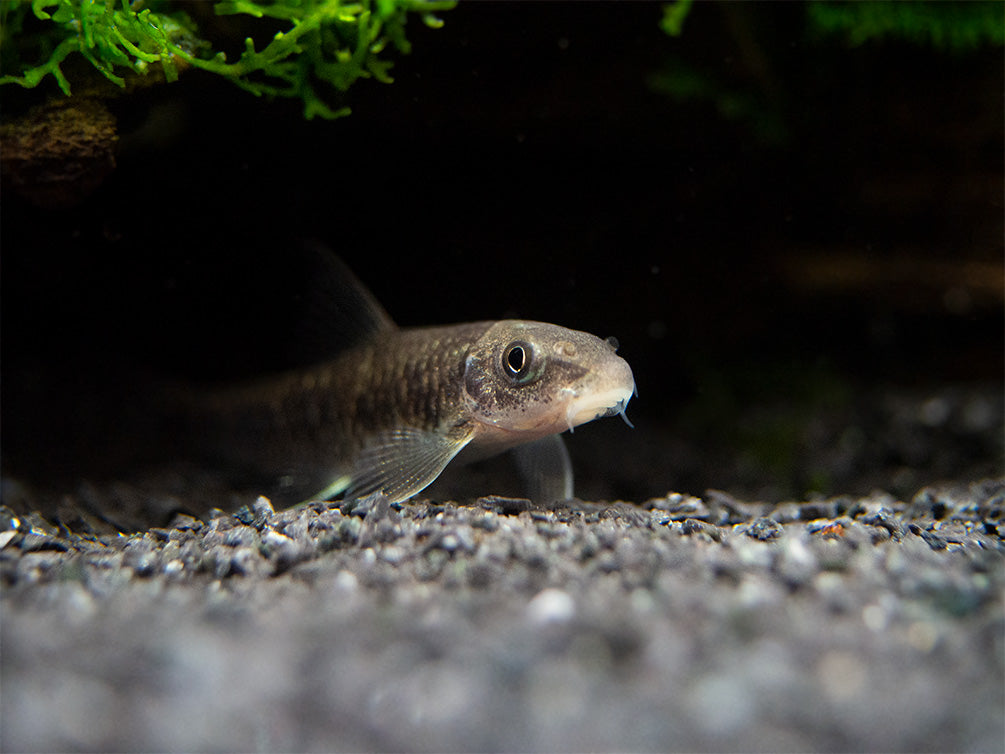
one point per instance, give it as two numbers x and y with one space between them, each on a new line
402 462
546 469
334 489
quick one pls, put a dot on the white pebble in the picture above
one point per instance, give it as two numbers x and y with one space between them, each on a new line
551 606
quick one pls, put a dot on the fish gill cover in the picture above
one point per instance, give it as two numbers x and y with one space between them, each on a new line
315 49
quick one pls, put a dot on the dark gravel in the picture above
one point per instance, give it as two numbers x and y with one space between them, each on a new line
683 623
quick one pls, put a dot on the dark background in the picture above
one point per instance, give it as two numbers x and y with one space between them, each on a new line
812 237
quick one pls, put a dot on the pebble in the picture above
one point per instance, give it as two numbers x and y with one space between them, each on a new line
551 606
694 526
506 506
763 529
796 562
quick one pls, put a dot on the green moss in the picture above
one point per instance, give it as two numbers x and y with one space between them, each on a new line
945 26
674 15
315 49
754 98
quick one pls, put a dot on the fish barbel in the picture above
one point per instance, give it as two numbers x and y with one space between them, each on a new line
392 410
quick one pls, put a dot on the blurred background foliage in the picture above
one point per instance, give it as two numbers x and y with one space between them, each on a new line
956 27
949 28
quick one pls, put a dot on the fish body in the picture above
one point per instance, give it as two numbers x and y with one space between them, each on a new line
391 411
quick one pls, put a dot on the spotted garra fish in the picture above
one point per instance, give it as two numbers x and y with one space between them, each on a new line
391 410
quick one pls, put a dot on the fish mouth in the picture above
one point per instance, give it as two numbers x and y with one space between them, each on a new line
585 408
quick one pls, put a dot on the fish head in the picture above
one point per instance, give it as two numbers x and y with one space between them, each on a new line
524 380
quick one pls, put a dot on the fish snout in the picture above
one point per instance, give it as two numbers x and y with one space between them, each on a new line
608 395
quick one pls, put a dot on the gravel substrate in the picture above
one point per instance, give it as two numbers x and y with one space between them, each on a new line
682 623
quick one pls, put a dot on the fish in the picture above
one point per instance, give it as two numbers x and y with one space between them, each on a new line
389 408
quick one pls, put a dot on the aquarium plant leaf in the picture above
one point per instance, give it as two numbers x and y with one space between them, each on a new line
316 50
945 26
674 15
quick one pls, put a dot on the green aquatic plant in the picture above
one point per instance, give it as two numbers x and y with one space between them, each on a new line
674 15
945 26
315 48
955 26
755 99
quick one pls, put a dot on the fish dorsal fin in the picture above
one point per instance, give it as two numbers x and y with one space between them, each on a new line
336 311
402 462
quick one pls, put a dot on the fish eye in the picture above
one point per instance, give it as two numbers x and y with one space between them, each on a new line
516 361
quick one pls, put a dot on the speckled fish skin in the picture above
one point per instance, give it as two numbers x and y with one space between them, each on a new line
386 409
391 413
